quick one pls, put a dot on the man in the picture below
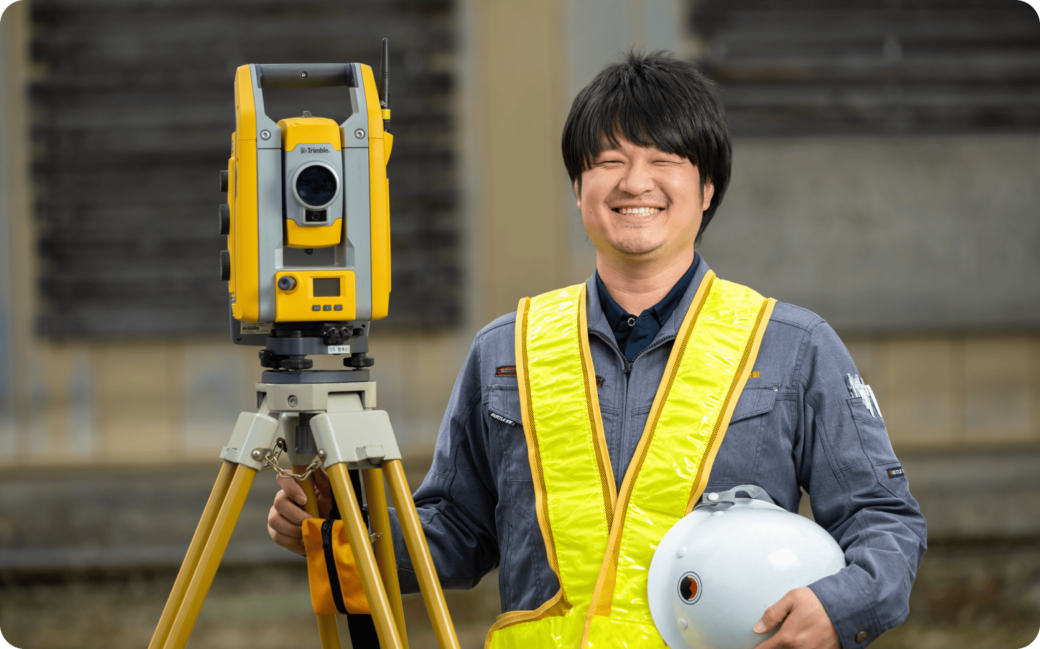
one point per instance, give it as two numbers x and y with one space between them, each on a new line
582 427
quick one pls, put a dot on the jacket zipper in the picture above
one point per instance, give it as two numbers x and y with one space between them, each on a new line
627 369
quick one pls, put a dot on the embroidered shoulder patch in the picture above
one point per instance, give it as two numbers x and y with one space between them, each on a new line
506 370
896 472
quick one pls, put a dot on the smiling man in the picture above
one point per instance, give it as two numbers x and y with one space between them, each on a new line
583 426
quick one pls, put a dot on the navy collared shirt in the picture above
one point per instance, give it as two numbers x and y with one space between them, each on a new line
634 333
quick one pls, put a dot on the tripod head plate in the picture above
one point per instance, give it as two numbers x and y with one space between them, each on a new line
252 431
361 439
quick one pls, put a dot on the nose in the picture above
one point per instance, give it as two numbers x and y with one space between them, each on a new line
637 179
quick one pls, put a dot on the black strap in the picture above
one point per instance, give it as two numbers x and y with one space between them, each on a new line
362 629
330 565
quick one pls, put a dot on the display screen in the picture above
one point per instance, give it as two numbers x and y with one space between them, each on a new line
326 287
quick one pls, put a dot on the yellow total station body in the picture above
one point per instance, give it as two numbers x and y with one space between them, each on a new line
309 230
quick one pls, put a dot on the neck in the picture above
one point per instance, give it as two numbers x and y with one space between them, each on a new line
638 286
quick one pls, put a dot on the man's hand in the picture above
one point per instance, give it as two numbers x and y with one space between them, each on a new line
285 520
806 624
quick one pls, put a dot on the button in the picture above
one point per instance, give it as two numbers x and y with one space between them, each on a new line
316 307
861 636
713 497
338 307
775 388
327 307
631 322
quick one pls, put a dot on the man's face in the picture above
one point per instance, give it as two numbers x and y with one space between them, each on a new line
642 204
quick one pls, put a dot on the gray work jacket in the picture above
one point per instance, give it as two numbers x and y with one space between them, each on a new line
796 426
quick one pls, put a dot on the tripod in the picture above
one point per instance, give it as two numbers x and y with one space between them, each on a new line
327 416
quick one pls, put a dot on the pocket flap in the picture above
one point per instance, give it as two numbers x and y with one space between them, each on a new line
754 401
504 405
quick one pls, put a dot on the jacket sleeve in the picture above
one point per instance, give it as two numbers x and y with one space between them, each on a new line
457 499
859 494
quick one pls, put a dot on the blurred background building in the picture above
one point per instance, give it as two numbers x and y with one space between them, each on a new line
886 175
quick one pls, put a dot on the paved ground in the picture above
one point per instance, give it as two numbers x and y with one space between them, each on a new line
967 596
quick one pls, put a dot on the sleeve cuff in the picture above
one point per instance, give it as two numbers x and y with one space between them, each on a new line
845 603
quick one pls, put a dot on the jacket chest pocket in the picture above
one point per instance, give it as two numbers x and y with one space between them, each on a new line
737 458
506 424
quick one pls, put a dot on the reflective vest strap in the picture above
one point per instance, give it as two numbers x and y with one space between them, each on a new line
743 372
684 430
558 391
605 631
599 439
568 457
546 632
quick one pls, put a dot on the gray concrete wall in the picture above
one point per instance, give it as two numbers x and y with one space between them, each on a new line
882 235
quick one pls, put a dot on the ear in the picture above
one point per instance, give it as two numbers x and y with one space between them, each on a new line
708 192
577 192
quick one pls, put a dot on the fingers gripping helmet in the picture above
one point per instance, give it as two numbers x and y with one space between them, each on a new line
719 568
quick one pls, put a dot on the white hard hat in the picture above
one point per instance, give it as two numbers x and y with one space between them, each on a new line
718 569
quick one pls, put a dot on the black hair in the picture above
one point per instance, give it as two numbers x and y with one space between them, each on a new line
652 100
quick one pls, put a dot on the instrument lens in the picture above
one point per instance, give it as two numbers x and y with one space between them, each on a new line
316 186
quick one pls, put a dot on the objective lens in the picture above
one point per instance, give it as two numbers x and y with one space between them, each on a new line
316 186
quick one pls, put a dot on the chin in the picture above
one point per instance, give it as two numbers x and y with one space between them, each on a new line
637 248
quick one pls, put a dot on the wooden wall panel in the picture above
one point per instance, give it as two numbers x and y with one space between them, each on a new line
872 66
132 115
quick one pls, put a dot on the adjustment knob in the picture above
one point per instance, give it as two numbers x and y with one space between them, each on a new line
225 219
223 180
225 265
359 360
297 364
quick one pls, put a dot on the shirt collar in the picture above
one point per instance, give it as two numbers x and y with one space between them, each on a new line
616 315
597 319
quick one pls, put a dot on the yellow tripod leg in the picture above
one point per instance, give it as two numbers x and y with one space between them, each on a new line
375 593
327 628
209 560
414 538
191 559
384 546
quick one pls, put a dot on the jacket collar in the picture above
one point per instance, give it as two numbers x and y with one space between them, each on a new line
597 321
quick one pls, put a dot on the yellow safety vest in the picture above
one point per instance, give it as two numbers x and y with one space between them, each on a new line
599 542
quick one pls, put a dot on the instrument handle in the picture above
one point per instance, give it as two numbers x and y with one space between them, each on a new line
306 75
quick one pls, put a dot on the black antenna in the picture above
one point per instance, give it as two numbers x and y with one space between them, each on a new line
384 83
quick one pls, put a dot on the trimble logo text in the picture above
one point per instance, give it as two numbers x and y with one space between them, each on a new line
314 149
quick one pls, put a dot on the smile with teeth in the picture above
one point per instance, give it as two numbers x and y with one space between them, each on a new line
637 211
